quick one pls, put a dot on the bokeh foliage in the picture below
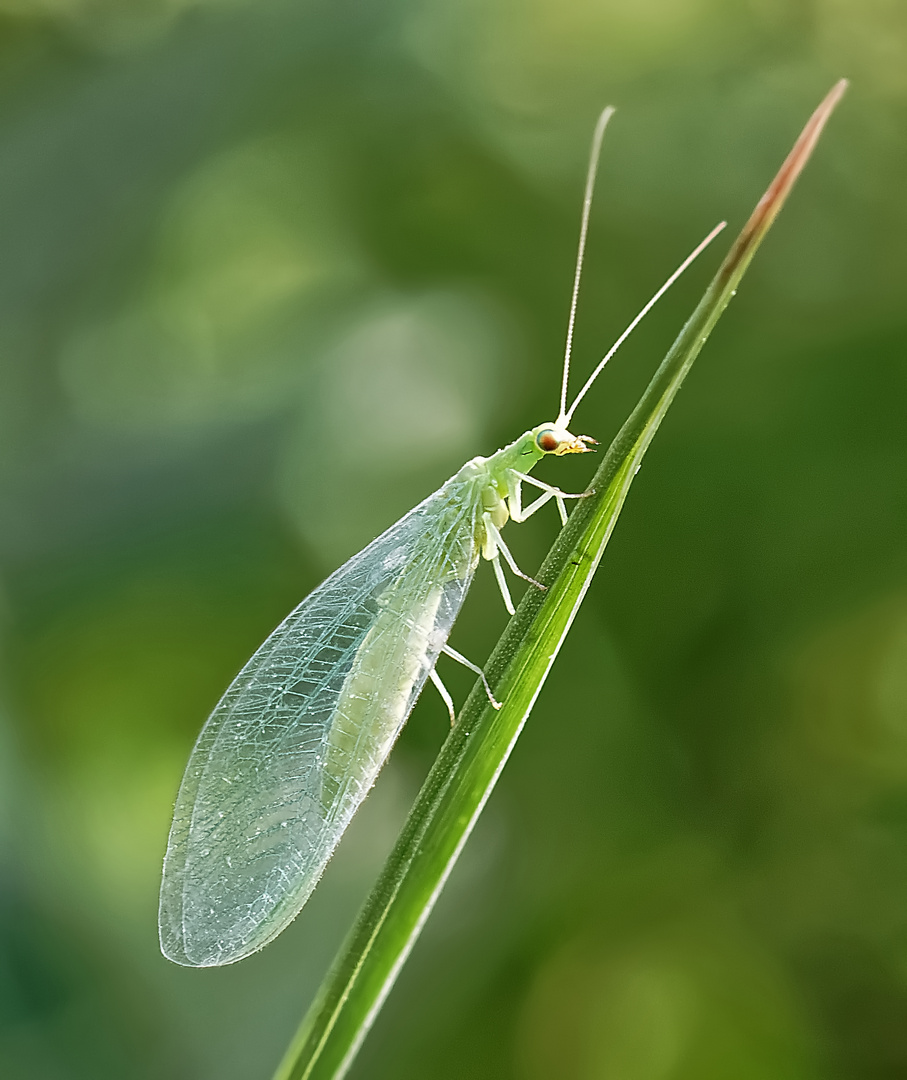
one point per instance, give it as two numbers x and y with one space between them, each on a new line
270 272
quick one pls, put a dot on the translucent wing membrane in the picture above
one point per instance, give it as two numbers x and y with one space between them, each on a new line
297 740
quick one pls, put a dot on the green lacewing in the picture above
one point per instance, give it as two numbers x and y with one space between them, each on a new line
296 742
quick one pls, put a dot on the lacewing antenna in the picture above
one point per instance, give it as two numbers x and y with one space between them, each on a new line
565 417
591 173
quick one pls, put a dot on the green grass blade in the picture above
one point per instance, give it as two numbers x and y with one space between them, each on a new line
473 756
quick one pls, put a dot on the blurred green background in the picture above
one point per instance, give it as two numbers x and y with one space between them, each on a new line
269 273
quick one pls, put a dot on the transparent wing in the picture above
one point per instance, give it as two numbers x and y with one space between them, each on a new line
294 745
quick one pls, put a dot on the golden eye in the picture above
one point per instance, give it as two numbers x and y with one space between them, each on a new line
548 441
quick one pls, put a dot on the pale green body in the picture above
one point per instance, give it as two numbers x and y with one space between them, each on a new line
376 696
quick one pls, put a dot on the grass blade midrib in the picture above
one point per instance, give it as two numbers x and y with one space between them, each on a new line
473 756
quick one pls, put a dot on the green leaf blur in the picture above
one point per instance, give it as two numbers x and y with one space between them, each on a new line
269 274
